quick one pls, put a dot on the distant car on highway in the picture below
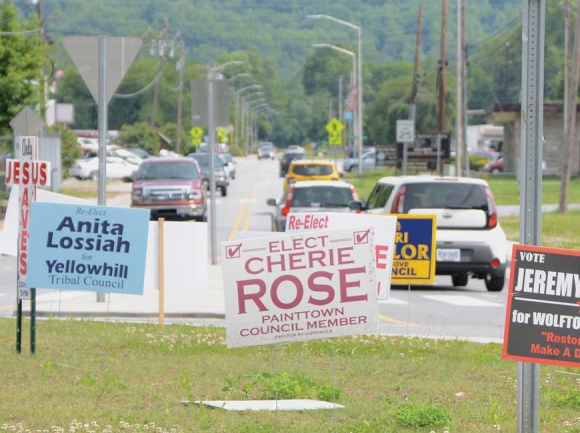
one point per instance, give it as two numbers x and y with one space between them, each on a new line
307 169
295 148
494 166
368 162
266 151
229 163
170 187
116 168
309 196
286 159
220 176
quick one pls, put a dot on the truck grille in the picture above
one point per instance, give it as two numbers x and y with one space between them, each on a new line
157 194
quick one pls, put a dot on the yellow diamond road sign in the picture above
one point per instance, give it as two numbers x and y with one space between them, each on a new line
335 140
196 135
334 127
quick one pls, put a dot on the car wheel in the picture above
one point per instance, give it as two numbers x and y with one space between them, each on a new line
94 175
494 284
224 191
459 280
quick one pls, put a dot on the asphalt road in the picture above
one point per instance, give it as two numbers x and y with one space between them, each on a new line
440 310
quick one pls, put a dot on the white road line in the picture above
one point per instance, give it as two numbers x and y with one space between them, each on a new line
463 301
392 301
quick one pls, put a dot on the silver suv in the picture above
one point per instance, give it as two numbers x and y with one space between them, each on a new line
470 240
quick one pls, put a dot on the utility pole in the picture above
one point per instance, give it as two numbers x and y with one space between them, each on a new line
159 73
464 90
459 109
415 85
340 109
570 102
180 95
442 68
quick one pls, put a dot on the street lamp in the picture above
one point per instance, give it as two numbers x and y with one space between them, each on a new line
244 115
243 74
236 99
360 78
342 50
211 141
248 119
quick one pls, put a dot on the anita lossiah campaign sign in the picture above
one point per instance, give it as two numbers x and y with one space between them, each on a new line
92 248
300 286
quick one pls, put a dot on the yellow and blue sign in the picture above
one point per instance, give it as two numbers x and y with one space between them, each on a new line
91 248
415 250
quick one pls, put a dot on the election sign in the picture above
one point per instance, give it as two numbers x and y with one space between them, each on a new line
542 322
384 228
27 173
299 287
92 248
414 260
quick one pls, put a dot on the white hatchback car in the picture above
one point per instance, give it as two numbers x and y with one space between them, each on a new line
470 240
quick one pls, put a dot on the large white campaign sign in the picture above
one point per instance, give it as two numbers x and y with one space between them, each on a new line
299 287
384 227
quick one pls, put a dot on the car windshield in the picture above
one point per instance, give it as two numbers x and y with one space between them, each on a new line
226 157
321 196
266 147
291 156
312 169
165 170
436 195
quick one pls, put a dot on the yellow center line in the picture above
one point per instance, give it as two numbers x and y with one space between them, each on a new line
397 322
249 209
239 218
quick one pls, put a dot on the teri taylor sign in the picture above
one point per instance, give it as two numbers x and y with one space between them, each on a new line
543 312
299 287
93 248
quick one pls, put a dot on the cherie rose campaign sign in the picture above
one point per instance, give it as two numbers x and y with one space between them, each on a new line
93 248
384 228
299 287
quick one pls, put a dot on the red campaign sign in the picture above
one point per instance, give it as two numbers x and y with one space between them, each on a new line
542 321
27 173
300 286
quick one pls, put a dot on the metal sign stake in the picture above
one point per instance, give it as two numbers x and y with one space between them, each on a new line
533 35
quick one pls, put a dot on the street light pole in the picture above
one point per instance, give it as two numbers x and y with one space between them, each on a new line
243 132
245 107
211 141
360 78
236 105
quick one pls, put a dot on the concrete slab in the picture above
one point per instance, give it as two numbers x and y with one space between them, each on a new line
272 405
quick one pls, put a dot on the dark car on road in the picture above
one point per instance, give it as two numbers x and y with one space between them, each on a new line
286 159
220 177
267 151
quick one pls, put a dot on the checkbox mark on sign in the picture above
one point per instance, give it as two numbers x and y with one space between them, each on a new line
233 251
362 237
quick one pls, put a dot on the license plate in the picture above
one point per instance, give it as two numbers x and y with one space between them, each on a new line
448 255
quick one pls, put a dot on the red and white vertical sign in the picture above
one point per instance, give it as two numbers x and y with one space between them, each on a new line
27 173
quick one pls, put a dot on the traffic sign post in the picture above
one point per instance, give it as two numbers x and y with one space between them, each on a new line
405 135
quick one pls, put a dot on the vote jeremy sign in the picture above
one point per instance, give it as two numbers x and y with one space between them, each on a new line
299 287
92 248
542 321
384 228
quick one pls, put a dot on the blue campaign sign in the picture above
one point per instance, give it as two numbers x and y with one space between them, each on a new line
92 248
415 250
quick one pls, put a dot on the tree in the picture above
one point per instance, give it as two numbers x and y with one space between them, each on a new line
68 147
22 56
140 135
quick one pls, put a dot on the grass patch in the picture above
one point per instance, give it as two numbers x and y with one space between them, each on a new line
558 229
505 190
91 375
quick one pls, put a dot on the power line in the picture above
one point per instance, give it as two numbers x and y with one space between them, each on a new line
139 92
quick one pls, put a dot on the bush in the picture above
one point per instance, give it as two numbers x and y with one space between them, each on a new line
413 415
68 147
236 150
139 135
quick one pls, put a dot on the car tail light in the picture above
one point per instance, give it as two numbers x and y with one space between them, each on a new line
495 263
286 208
399 202
491 209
